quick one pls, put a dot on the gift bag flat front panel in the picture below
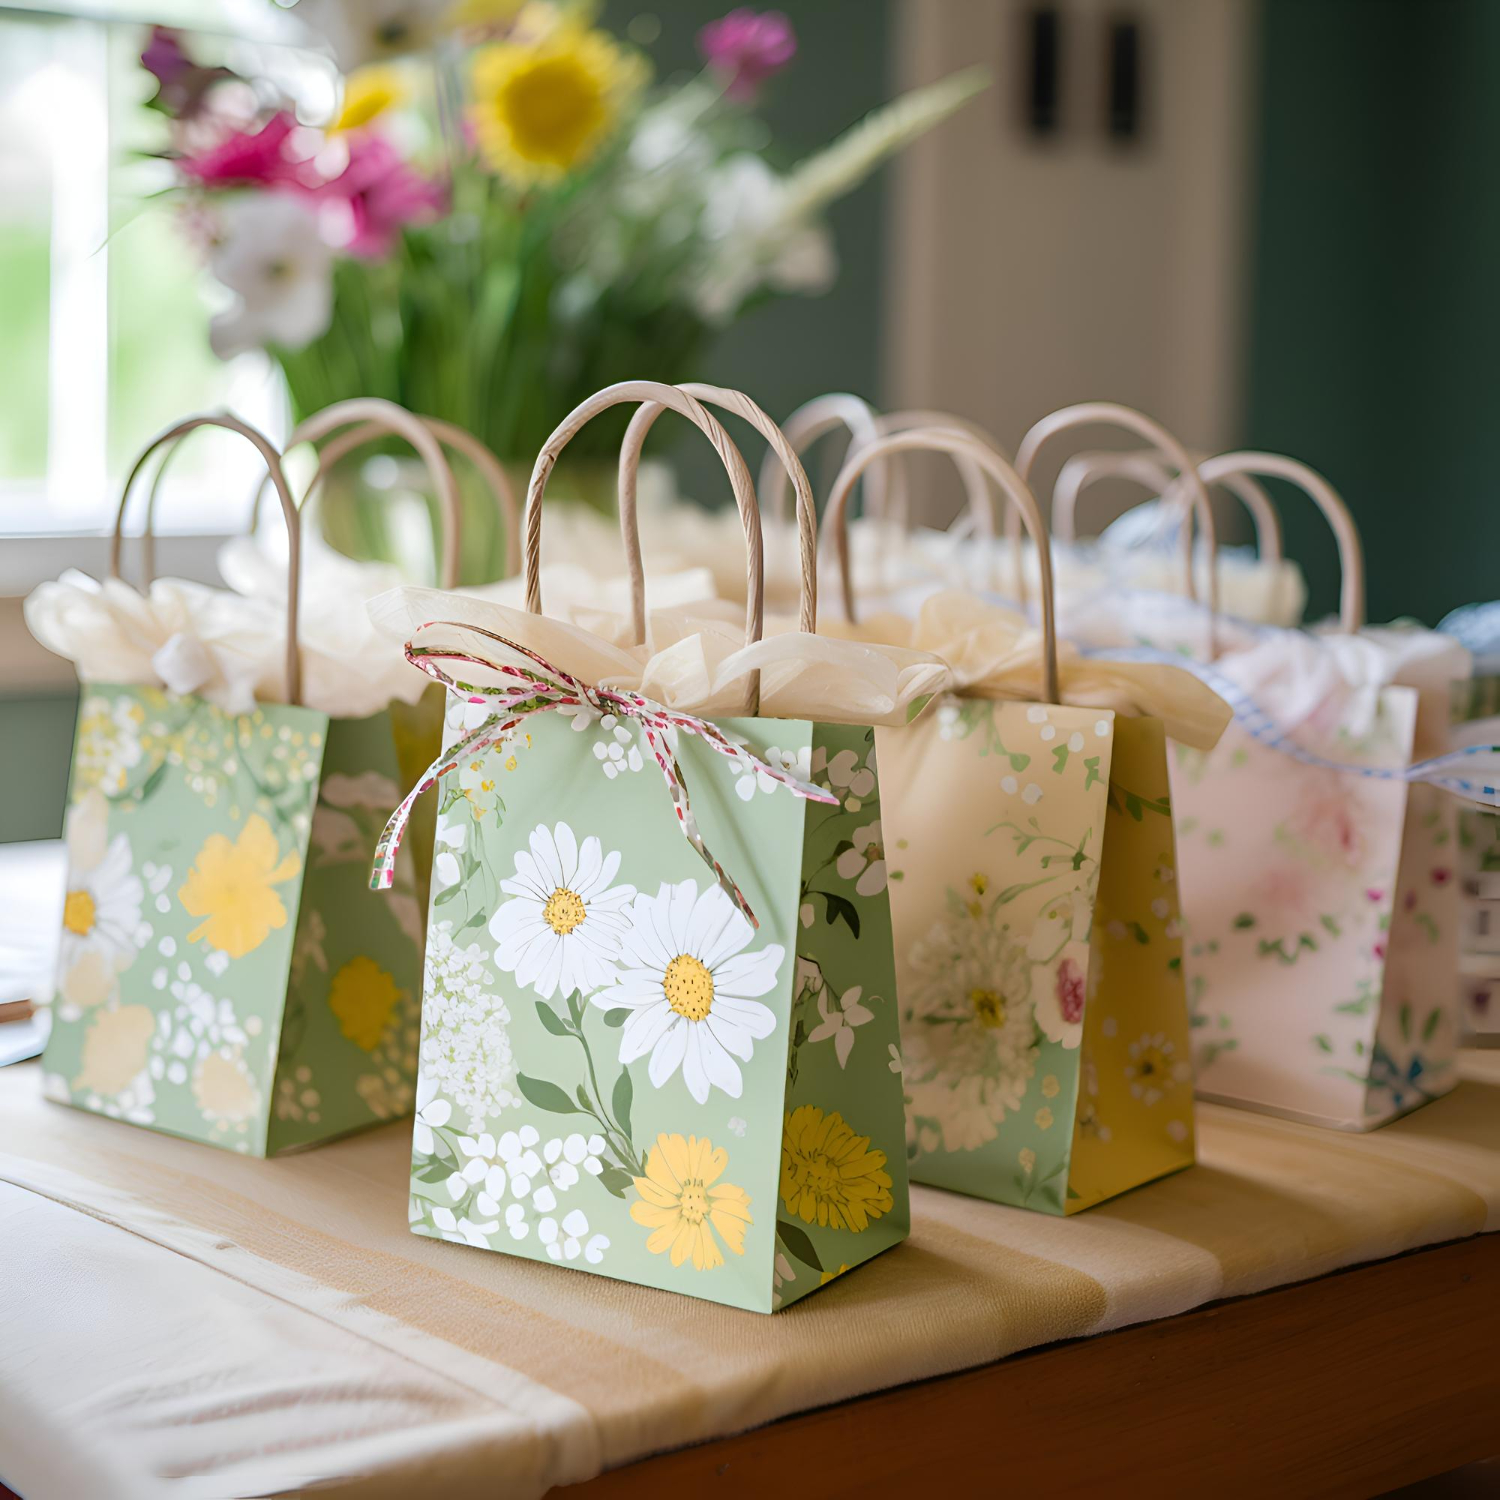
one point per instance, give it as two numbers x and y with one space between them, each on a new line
1416 1038
1135 1110
348 1055
564 1114
843 1182
187 839
995 869
1289 876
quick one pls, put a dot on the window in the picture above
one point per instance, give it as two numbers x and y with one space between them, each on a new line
104 306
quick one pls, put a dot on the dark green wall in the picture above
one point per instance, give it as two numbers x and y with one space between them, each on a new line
795 348
1375 315
36 740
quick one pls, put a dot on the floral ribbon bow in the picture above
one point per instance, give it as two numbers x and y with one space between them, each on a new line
550 689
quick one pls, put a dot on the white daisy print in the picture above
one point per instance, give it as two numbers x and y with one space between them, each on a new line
562 927
864 863
432 1113
102 910
691 988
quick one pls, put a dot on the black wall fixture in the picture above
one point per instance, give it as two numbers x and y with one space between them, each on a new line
1123 84
1043 61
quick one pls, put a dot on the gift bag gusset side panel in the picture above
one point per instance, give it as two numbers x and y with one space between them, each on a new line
1416 1036
418 732
1135 1111
1288 875
996 818
349 1037
604 1038
843 1191
187 835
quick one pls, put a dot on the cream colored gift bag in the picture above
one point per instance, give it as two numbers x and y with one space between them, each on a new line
1030 852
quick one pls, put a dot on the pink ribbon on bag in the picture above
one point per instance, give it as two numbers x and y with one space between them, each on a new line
550 689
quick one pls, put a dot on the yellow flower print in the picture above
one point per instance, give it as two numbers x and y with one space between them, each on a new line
230 887
828 1276
1027 1157
1050 1086
545 106
682 1202
224 1089
829 1175
363 997
1044 1118
114 1049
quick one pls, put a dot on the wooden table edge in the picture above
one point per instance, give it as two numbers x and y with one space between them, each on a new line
1350 1384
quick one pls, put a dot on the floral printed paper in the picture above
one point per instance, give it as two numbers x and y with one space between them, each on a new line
1322 917
1037 952
223 973
619 1072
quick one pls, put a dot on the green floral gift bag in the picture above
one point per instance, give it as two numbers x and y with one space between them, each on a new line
225 972
659 1036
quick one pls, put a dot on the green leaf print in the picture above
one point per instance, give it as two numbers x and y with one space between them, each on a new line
798 1244
840 908
550 1019
1059 760
623 1095
616 1180
1431 1024
616 1018
547 1096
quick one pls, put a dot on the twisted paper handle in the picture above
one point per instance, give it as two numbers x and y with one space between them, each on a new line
550 689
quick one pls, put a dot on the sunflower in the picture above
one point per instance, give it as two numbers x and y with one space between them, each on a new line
369 93
829 1175
682 1202
545 106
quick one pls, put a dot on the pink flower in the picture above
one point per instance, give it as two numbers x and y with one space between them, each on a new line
748 47
164 57
380 194
1374 894
1329 820
247 158
1070 989
1441 875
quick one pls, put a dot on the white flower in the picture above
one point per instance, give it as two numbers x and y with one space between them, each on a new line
270 254
754 240
1154 1068
847 775
565 1241
691 988
618 751
839 1024
462 1231
109 741
567 1157
102 909
968 1032
366 31
895 1064
563 925
465 1047
749 777
431 1113
445 866
864 864
515 1221
737 1125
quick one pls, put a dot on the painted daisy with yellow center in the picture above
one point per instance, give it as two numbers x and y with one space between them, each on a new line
563 926
691 988
686 1206
102 908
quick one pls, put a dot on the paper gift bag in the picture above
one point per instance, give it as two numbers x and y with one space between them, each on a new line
644 1054
1319 861
225 973
1030 850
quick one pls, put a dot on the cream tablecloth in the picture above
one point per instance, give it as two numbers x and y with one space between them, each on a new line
179 1321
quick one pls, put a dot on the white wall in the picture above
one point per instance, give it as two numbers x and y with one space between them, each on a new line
1028 274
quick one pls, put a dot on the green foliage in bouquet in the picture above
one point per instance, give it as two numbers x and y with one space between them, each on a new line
502 214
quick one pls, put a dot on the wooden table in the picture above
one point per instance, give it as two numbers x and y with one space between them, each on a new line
1351 1384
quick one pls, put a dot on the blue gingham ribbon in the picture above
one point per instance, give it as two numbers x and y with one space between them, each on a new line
1472 773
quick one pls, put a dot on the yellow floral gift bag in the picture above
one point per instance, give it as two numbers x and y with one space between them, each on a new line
1029 844
225 973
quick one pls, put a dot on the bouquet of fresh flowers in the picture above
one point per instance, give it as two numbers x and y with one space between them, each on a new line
501 214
